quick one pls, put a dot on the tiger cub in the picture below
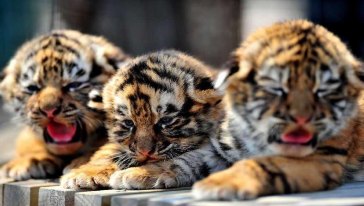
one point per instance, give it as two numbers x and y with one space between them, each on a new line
46 85
161 110
295 115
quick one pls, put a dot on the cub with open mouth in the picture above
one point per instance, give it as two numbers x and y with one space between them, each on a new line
295 116
47 84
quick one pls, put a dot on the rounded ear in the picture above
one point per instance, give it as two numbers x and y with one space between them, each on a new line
237 67
201 90
107 56
355 75
229 68
95 99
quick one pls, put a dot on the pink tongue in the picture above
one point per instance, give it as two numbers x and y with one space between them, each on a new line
298 136
60 132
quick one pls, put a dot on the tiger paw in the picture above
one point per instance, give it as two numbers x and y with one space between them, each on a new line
24 168
236 183
143 178
88 177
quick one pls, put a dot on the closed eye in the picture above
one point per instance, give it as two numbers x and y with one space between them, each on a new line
274 90
31 89
165 121
74 85
271 85
327 89
322 92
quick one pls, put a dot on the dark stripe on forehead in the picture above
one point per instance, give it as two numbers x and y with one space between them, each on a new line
60 35
318 44
144 79
68 49
164 74
129 80
140 106
137 68
33 53
58 46
48 44
139 95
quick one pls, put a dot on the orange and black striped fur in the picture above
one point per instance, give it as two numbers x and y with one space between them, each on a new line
161 111
294 115
46 84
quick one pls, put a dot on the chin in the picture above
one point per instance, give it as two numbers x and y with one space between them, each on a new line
291 150
65 149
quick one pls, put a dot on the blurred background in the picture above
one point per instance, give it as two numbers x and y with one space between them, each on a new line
207 29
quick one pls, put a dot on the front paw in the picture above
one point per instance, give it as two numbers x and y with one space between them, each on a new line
38 167
143 178
240 182
88 177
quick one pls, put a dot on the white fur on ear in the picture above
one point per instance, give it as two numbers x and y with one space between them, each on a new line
95 99
220 81
94 94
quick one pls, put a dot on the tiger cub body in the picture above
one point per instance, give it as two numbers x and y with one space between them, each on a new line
46 84
294 115
161 111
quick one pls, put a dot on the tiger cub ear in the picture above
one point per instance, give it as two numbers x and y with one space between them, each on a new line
202 90
95 99
356 75
107 56
231 67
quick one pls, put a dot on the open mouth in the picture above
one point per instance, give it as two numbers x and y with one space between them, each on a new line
58 133
299 136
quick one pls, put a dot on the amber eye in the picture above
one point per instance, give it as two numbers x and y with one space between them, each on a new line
128 123
31 89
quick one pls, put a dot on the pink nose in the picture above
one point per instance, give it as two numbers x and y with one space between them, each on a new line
301 120
145 153
50 112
